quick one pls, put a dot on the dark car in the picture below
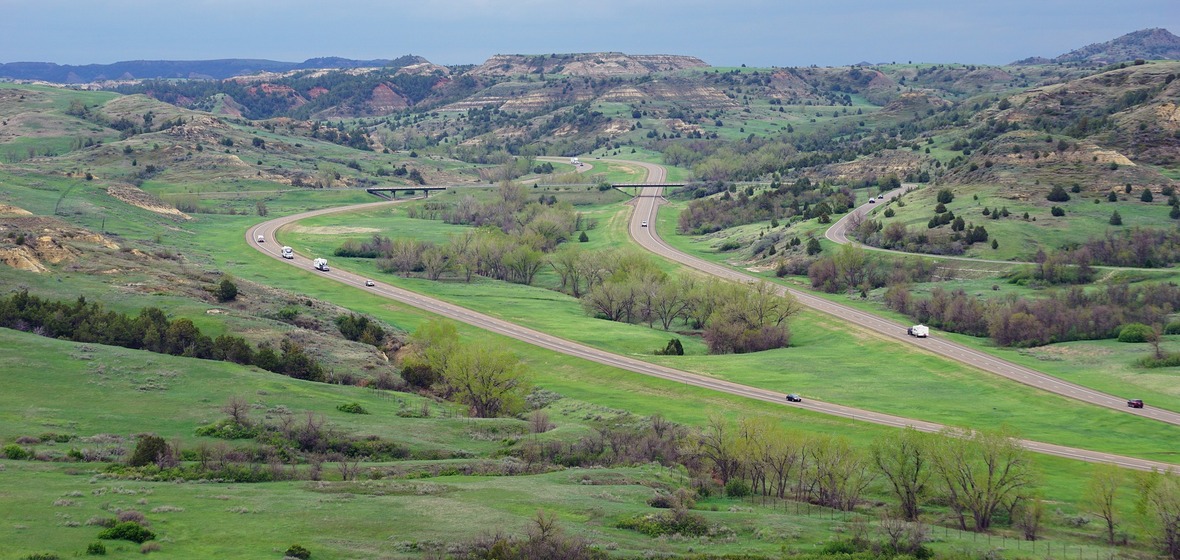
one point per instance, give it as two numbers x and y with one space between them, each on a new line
1135 403
792 397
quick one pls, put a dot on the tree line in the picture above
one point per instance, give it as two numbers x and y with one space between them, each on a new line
151 330
1057 316
781 202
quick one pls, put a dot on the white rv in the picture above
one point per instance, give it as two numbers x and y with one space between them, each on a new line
320 264
288 253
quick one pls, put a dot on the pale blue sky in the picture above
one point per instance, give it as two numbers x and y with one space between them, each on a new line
721 32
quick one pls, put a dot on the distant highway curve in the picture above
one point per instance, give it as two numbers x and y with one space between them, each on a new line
271 247
647 206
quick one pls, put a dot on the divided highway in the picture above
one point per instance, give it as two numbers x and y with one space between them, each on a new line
647 206
645 210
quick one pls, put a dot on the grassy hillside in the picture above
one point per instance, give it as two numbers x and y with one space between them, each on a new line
134 203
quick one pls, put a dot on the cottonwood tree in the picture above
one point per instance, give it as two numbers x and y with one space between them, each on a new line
492 382
748 320
717 444
841 472
435 262
430 347
782 455
567 263
1101 493
981 471
671 300
1159 499
903 458
754 438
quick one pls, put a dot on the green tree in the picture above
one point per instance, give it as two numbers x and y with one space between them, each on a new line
491 381
813 246
227 290
1159 500
1146 196
260 206
295 362
1058 194
945 196
148 449
1116 219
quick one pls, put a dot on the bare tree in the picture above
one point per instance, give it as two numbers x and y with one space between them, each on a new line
238 409
980 471
904 459
1101 493
841 472
717 443
349 469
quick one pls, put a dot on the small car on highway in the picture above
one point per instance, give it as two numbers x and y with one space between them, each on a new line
792 397
370 283
643 224
1135 403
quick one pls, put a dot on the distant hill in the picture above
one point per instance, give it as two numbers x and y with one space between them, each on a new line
153 69
1148 44
602 64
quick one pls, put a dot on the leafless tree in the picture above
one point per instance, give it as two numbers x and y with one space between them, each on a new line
1101 493
980 471
238 409
904 460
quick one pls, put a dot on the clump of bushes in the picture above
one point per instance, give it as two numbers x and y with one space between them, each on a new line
1135 332
352 408
127 531
96 549
737 488
677 522
296 551
228 428
15 452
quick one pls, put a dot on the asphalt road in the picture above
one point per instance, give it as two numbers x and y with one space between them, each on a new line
648 204
271 247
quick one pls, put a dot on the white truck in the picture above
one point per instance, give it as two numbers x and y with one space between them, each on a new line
288 253
320 264
575 162
920 331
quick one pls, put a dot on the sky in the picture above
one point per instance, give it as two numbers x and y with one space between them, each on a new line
758 33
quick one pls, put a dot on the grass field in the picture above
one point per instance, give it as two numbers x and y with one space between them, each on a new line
48 505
